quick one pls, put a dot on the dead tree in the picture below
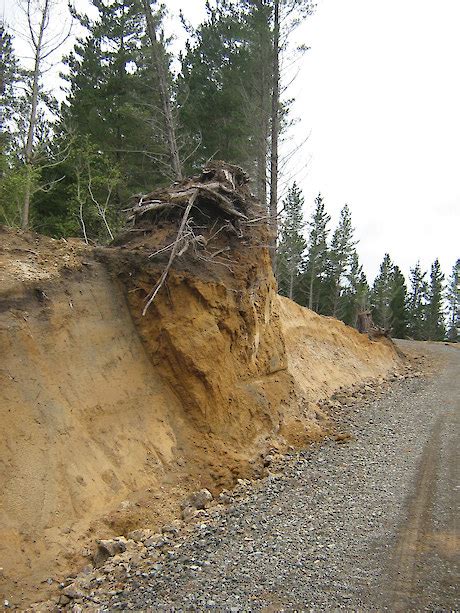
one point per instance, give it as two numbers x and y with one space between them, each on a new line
165 94
43 45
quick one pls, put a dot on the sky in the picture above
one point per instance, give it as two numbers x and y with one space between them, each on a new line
378 103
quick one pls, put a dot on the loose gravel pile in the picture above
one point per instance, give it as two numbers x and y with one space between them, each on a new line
317 534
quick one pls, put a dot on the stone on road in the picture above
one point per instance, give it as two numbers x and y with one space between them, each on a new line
369 523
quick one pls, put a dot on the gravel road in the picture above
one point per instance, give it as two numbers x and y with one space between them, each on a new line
365 524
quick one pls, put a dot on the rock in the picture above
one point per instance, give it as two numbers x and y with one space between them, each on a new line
63 600
225 497
140 534
172 528
243 482
198 500
343 437
268 460
72 591
107 549
157 540
188 513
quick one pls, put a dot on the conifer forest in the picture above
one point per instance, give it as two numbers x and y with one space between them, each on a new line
135 115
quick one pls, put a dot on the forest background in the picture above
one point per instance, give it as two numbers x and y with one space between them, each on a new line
134 116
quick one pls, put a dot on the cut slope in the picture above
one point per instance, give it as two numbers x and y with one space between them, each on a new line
324 354
110 418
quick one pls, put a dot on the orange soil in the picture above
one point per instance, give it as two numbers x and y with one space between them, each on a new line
110 418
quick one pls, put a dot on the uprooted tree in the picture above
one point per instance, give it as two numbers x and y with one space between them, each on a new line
203 209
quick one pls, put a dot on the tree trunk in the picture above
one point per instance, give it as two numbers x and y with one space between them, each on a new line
26 203
335 299
164 92
275 133
261 180
365 325
33 115
291 284
312 280
261 110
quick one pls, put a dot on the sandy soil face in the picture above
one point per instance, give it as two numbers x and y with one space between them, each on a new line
110 418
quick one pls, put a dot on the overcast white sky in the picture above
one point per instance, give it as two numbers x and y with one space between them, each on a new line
379 94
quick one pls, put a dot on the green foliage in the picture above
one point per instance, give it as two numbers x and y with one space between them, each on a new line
398 304
9 78
453 297
355 297
85 202
388 299
317 254
292 243
416 302
14 180
224 84
382 294
434 323
339 262
113 94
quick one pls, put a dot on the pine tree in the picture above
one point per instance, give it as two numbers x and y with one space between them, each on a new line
416 303
382 294
113 94
453 297
355 298
286 15
230 86
9 79
224 86
339 261
398 304
12 176
434 323
292 243
316 258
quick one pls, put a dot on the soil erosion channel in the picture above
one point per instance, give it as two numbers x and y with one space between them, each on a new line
369 524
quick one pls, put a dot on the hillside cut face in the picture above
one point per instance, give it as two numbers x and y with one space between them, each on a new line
135 374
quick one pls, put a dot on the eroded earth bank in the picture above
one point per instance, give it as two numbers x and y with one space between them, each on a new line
364 522
110 419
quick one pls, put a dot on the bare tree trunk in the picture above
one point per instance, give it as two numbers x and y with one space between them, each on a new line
37 43
26 203
164 92
335 299
261 180
365 325
291 285
312 280
273 207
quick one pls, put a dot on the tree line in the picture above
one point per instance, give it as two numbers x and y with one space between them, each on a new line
319 268
129 121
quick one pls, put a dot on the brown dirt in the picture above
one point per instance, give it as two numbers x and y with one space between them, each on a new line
110 418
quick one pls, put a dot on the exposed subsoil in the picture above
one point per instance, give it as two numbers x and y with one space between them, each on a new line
364 521
111 417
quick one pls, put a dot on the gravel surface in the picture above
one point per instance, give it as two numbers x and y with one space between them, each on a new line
343 525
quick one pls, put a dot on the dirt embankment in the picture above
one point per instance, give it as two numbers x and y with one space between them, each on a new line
109 418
